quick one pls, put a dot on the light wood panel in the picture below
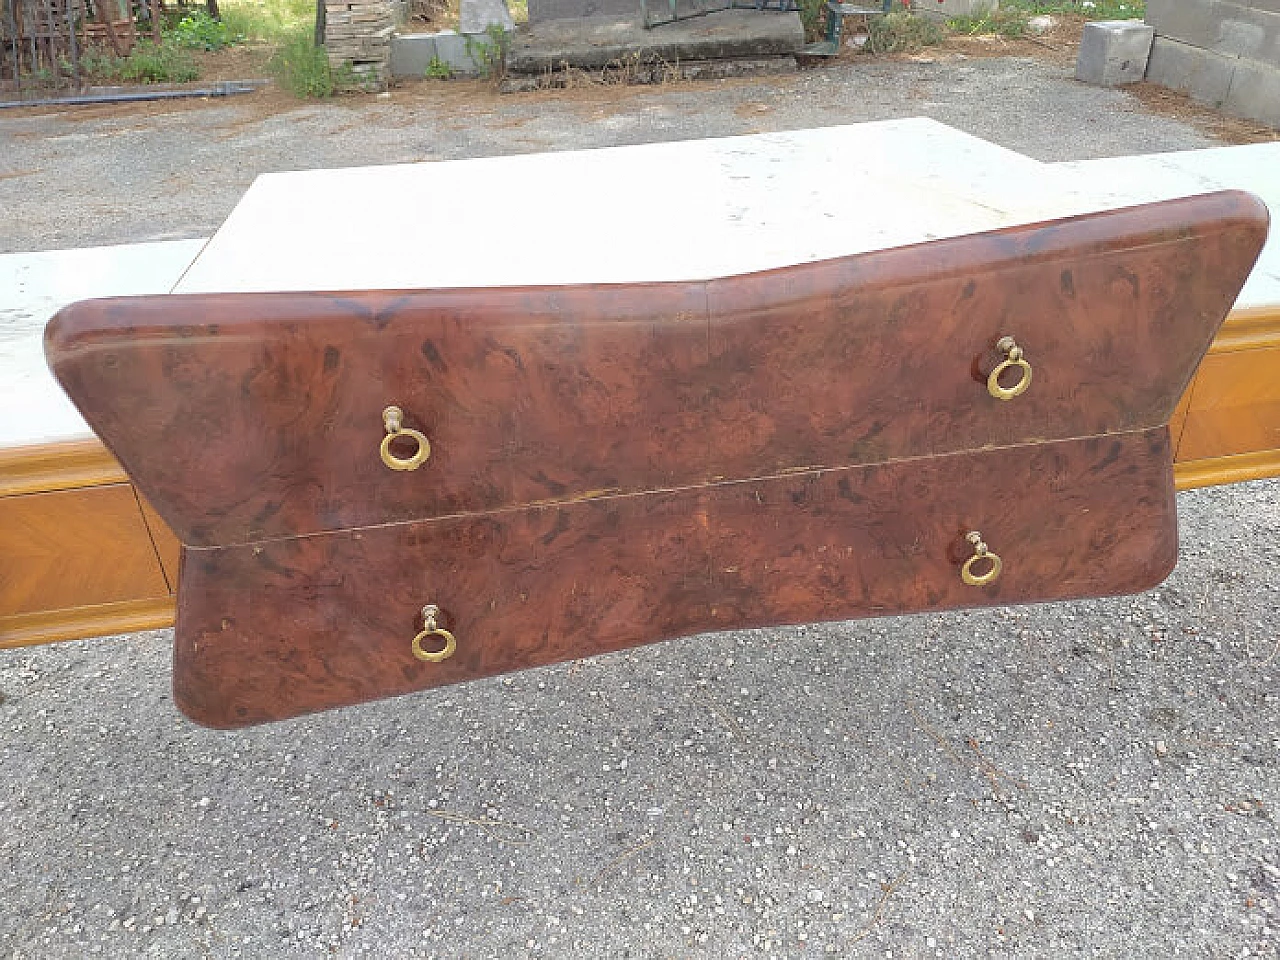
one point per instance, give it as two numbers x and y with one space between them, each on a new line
57 466
75 548
75 623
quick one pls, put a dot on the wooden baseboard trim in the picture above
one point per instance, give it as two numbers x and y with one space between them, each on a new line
46 467
1255 328
1233 469
74 623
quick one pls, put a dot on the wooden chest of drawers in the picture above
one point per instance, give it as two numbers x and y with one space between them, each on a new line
380 492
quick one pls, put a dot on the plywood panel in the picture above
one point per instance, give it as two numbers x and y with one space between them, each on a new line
75 548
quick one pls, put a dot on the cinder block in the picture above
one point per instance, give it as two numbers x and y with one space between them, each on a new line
1113 52
1202 74
411 54
1255 93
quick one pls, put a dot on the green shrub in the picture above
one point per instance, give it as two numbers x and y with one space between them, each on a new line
199 31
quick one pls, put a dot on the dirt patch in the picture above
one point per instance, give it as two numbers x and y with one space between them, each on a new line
1168 103
247 61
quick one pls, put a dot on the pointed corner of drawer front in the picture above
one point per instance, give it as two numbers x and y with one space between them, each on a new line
253 417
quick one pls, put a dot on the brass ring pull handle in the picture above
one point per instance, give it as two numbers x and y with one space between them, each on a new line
429 630
1013 360
393 420
980 555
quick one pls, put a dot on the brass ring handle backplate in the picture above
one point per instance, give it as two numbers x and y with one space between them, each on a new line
981 555
430 630
1014 360
393 420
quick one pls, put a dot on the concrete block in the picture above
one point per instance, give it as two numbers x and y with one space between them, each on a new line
1202 74
464 53
1113 52
1255 93
1230 27
1245 32
1190 21
477 16
411 54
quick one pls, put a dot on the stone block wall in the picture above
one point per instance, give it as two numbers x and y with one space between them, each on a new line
1223 53
358 32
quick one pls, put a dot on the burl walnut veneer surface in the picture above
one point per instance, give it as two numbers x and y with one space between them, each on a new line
614 465
271 630
251 417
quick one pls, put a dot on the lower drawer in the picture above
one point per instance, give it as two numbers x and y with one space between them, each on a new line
275 629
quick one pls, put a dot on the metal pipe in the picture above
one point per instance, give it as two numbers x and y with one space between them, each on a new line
224 89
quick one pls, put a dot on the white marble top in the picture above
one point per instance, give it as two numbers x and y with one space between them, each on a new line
688 210
35 286
1161 176
672 211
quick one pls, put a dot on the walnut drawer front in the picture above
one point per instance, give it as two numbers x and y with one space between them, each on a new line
275 629
255 417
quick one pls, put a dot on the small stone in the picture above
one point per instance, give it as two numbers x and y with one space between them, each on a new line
1041 24
816 896
1162 748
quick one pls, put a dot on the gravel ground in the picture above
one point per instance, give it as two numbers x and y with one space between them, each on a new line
108 175
1087 779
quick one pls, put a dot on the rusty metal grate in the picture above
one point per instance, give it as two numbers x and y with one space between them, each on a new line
43 43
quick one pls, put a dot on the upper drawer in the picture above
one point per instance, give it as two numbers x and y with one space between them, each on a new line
251 417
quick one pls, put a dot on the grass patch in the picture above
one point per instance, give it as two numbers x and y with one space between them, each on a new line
276 21
149 62
1090 9
1001 22
902 32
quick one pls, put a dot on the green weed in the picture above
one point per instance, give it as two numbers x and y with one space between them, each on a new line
303 68
437 69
